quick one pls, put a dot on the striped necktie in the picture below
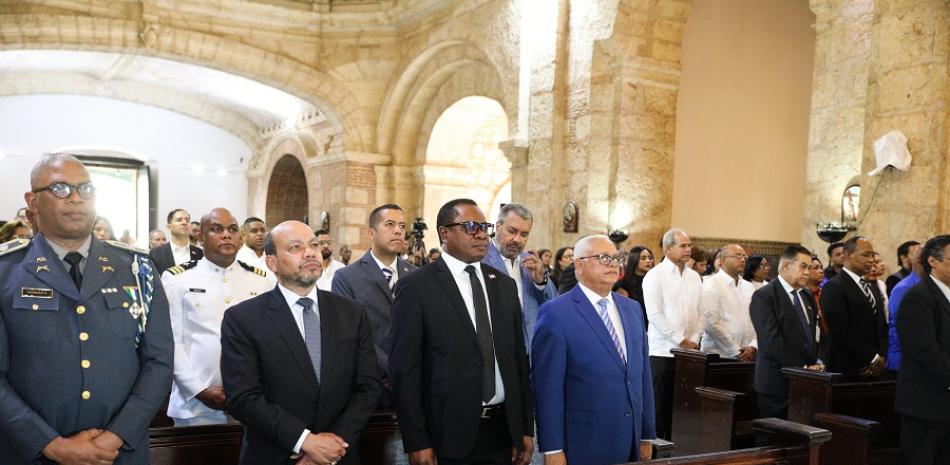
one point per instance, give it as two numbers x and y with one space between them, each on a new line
866 287
602 311
388 274
311 333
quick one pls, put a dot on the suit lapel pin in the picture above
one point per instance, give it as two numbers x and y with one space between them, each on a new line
491 276
107 268
42 268
40 259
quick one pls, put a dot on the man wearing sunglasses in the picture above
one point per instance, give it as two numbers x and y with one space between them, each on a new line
85 339
457 360
505 253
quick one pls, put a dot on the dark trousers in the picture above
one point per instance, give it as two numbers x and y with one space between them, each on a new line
492 447
773 406
664 369
924 442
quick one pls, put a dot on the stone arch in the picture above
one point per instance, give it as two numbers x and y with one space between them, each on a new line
418 85
287 191
298 145
164 41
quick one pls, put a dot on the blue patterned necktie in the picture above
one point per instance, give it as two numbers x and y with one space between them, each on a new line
602 311
800 310
311 331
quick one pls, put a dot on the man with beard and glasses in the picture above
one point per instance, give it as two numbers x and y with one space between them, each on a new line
85 342
505 253
298 363
198 293
330 266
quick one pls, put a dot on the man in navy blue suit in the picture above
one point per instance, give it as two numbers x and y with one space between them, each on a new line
590 372
505 253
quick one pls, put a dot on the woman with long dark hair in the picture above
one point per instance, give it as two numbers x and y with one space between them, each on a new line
757 270
562 258
639 261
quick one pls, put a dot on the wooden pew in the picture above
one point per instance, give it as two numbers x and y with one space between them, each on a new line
852 441
698 369
784 443
380 444
812 392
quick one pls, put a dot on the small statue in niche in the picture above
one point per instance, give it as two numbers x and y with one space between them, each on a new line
851 204
570 217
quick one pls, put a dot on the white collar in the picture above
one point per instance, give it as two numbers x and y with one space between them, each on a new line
292 297
210 266
857 279
722 275
943 287
594 297
457 267
380 264
788 287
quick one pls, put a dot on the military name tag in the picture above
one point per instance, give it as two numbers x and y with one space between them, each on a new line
36 293
196 290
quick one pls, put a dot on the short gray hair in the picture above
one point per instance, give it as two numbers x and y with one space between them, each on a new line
669 238
583 244
48 160
517 209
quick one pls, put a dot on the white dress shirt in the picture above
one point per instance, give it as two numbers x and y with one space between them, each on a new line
612 312
725 305
296 310
457 268
672 301
325 283
181 254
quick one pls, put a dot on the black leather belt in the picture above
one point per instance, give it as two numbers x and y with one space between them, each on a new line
491 411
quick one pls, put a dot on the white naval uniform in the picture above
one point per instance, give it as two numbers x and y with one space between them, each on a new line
198 294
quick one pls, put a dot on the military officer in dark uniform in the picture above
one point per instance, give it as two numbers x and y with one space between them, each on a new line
85 340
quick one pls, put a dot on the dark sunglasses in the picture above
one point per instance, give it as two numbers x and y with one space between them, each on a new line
473 227
62 190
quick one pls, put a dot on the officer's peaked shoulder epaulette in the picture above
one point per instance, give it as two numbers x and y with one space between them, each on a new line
179 269
13 246
252 269
126 247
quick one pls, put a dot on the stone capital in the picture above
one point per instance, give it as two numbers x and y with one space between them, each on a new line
516 151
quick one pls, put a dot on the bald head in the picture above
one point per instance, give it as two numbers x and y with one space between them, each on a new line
221 236
294 256
39 175
732 260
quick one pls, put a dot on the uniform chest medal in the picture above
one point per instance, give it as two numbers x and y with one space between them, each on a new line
136 309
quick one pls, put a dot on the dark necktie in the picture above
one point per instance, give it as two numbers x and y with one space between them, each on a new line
866 287
388 274
73 258
809 338
483 328
311 333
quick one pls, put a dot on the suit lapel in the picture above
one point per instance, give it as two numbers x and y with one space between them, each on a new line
447 281
99 270
283 320
329 324
938 294
587 312
43 263
166 255
376 275
785 302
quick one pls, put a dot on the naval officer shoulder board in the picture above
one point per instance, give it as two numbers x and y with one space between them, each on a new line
252 269
179 269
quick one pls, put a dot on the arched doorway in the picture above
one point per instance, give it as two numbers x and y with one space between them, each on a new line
463 159
287 192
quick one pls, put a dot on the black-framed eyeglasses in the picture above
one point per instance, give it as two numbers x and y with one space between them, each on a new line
608 260
62 190
473 227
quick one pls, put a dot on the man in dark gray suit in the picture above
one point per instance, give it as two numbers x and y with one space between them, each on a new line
370 281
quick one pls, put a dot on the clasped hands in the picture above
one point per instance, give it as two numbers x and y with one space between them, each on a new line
875 368
322 449
88 447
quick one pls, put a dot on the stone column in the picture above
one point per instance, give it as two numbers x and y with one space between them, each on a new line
908 90
839 101
516 151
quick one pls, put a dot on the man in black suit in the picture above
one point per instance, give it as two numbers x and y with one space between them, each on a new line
923 385
854 309
905 252
370 281
457 361
298 364
179 250
784 315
